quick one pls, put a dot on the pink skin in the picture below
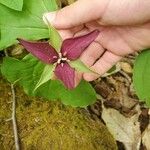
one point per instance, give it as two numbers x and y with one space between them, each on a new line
124 27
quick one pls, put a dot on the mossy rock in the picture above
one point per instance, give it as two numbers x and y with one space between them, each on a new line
47 125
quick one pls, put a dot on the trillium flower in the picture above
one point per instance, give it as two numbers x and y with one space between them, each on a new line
70 50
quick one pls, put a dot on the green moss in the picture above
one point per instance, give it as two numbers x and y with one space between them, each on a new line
50 125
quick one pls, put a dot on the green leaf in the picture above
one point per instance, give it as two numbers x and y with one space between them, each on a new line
50 90
141 76
27 72
27 24
46 75
82 96
13 4
11 68
80 66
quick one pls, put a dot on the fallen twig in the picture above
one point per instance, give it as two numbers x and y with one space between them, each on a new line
13 117
15 130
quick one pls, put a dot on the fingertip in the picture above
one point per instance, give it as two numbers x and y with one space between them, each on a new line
106 62
90 76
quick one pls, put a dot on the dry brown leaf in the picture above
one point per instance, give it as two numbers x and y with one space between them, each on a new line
126 67
66 2
146 137
125 130
71 1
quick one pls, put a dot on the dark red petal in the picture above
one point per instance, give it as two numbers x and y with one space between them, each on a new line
66 74
41 50
74 47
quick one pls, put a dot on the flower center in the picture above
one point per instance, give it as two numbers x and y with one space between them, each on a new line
62 59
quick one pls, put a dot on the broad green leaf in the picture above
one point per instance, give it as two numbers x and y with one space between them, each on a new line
80 66
50 90
55 39
82 96
27 72
13 4
11 68
141 76
27 24
46 75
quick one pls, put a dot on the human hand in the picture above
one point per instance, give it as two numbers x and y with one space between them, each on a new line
124 28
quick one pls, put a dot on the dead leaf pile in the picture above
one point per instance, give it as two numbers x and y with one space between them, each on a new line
125 117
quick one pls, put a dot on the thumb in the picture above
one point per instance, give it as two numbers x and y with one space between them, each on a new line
80 12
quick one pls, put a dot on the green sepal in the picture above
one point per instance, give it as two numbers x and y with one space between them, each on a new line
80 66
55 39
46 75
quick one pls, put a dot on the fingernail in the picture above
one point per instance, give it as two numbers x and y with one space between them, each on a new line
49 18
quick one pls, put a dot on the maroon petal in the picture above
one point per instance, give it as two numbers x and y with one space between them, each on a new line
41 50
66 74
72 48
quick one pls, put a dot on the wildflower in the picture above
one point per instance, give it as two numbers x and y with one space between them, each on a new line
71 50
